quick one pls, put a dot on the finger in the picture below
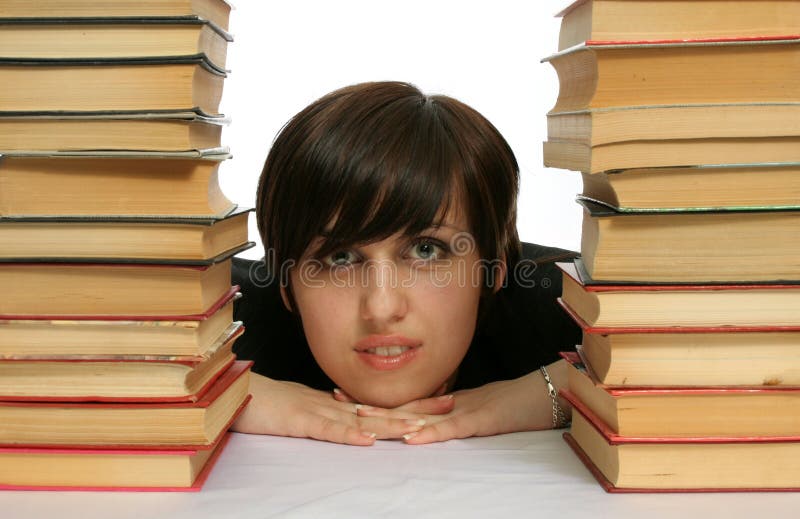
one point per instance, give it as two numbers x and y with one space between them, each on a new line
391 428
458 426
341 396
380 412
326 429
436 405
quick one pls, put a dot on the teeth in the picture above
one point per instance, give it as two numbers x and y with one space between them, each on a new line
388 351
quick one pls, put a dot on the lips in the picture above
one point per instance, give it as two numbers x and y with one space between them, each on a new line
387 352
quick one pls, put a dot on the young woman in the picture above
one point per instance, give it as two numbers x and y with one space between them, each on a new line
395 300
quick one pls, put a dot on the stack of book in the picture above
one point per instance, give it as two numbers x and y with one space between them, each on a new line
116 314
684 120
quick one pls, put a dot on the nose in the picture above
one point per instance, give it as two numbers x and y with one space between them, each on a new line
383 300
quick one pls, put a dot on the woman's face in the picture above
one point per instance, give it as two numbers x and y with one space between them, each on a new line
390 321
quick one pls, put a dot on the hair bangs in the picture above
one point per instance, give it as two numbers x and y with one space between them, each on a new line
405 182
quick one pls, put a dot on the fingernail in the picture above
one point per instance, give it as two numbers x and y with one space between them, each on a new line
408 436
418 423
337 391
445 397
362 407
369 434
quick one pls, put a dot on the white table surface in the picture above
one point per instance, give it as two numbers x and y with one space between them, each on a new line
532 474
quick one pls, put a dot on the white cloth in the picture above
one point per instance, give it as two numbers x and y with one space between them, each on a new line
532 474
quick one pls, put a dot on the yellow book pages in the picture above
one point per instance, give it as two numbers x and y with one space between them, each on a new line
635 20
134 185
67 38
143 424
694 359
97 290
132 131
605 76
124 378
215 11
184 84
690 465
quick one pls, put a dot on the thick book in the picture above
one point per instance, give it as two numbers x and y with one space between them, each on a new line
629 74
94 469
699 411
649 20
692 77
582 157
122 379
187 83
615 138
216 11
68 37
725 356
158 184
684 465
135 425
183 240
722 246
113 290
697 188
55 132
180 337
754 307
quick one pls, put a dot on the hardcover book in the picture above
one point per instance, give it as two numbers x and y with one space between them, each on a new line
725 356
136 425
681 465
697 188
187 83
649 20
216 11
616 138
183 240
690 247
630 74
121 379
49 132
184 337
68 37
94 469
710 413
665 307
130 184
122 291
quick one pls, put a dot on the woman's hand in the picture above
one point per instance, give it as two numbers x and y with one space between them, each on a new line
521 404
290 409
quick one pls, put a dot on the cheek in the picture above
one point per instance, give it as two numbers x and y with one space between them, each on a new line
327 314
449 311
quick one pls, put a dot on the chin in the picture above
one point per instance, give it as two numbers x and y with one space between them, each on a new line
389 399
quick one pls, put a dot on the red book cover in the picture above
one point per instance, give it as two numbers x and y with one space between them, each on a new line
196 485
643 391
219 386
611 489
225 345
571 270
762 307
606 330
600 427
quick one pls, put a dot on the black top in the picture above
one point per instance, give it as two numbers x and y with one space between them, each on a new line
523 329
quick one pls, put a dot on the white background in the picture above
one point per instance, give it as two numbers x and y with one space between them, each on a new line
286 54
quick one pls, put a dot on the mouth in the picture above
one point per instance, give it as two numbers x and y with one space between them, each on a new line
384 352
388 351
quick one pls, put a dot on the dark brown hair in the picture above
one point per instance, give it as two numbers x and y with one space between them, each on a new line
382 158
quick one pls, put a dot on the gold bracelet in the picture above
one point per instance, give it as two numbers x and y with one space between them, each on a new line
559 418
